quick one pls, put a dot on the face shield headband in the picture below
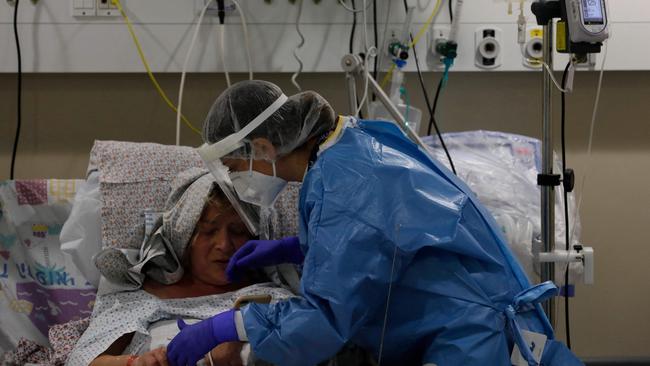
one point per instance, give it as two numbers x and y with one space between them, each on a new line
235 141
212 154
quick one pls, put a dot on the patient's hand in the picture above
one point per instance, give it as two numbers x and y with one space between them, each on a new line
227 354
157 357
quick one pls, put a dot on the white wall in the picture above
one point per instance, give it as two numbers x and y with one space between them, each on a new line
55 41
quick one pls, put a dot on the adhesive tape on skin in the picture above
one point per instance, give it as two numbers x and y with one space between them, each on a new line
489 48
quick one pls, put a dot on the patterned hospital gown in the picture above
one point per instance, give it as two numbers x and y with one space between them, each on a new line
125 312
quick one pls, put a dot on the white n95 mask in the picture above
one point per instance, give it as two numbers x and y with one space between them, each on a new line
257 188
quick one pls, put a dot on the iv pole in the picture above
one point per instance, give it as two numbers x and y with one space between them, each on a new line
547 190
545 12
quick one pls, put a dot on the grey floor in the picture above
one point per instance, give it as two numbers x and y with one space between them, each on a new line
617 362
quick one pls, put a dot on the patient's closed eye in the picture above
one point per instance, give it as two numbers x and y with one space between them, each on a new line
208 228
238 229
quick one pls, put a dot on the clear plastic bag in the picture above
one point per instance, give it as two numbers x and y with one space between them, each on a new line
501 169
39 285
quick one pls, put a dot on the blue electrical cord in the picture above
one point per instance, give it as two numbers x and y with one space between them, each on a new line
448 62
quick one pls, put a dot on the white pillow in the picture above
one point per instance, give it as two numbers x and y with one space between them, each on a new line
81 237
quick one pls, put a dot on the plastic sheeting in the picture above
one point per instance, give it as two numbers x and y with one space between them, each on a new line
40 285
501 169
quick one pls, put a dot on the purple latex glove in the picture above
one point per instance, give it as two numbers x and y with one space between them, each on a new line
263 253
196 340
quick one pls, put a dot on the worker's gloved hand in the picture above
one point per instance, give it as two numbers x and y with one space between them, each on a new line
262 253
196 340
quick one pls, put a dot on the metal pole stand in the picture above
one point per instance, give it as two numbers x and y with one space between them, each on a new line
546 11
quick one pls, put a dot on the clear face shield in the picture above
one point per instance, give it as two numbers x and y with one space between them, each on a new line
212 155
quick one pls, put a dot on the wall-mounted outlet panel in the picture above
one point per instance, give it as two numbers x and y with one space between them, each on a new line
94 8
533 50
488 50
436 36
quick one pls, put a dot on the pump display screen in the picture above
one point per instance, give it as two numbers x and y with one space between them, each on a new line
592 12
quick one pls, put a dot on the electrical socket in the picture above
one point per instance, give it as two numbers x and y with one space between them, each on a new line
393 35
533 49
94 8
106 8
488 53
436 36
384 54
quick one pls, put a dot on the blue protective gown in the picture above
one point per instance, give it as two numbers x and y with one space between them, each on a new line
378 215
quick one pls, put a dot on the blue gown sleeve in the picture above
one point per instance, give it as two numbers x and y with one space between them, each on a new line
344 284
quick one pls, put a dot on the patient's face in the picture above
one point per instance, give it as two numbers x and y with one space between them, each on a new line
220 233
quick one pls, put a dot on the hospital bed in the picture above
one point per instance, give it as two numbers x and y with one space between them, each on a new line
50 230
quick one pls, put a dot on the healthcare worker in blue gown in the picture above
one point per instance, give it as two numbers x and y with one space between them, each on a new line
398 256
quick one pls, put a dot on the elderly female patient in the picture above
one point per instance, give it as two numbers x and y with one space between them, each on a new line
179 273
